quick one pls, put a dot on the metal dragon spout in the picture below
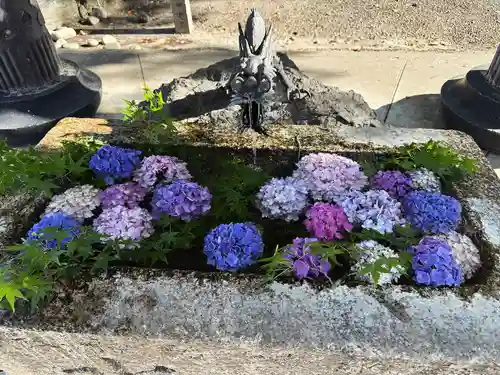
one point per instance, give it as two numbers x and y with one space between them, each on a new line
258 73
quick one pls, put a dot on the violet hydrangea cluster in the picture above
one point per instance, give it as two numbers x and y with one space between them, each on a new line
432 213
373 209
433 263
128 194
330 177
396 183
181 199
232 247
45 230
303 262
122 223
160 168
283 198
327 222
114 163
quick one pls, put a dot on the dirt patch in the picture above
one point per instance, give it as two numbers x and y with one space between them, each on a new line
432 23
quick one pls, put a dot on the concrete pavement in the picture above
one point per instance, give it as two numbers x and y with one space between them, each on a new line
403 86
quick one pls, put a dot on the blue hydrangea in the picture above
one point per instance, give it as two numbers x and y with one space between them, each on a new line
59 221
232 247
114 163
433 263
432 213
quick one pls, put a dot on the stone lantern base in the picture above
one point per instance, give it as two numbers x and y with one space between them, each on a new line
472 105
25 119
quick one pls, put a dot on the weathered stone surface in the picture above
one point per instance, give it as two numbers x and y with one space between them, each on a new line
201 95
389 322
31 352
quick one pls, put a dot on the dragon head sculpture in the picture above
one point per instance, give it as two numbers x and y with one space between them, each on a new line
254 78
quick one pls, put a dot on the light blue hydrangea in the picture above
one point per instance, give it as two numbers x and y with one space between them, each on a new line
283 198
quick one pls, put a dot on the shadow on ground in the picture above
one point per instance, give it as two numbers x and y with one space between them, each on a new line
419 111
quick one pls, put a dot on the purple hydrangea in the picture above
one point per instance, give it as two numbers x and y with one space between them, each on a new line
330 177
122 223
114 163
183 199
396 183
327 221
56 221
157 168
373 209
231 247
432 213
283 198
305 264
128 194
433 263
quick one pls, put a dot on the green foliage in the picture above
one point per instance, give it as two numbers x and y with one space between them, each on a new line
153 112
234 187
31 270
170 234
435 156
32 170
400 239
384 265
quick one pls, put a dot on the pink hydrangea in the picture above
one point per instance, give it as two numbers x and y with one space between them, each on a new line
327 221
330 177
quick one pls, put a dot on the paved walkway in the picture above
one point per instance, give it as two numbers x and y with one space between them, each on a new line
402 86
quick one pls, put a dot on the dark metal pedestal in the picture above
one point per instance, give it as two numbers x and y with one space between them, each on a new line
26 120
472 105
37 88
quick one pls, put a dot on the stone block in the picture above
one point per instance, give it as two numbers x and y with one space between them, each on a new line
198 309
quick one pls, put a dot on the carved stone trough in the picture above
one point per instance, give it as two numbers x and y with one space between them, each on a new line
144 313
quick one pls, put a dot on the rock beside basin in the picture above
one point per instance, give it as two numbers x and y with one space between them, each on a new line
201 96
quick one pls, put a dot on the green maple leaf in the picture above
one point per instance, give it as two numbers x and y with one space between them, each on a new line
10 292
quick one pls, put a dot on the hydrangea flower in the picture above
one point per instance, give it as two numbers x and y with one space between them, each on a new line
330 177
283 198
78 202
157 168
373 209
122 223
182 199
327 221
128 194
424 179
114 163
396 183
433 263
432 213
464 251
305 264
55 221
231 247
371 251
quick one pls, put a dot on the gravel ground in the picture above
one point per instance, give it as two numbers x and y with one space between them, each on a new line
464 24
